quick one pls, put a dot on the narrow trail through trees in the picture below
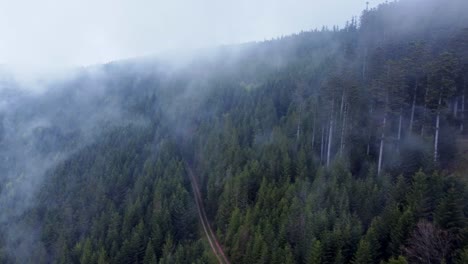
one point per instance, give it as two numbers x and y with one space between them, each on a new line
210 235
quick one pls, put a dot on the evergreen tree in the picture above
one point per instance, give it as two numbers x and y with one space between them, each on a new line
315 253
363 254
102 257
450 216
442 86
150 257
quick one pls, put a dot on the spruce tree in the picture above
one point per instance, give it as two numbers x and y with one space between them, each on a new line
150 257
363 254
315 253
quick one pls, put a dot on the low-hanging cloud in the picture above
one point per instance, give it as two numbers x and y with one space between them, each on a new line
54 33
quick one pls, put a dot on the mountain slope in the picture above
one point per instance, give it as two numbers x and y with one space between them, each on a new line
328 146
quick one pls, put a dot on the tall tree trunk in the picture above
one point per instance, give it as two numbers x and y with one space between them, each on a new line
313 134
343 129
399 128
382 137
369 133
325 144
424 113
364 65
330 134
382 140
342 103
436 138
455 108
413 107
298 131
463 108
322 145
462 112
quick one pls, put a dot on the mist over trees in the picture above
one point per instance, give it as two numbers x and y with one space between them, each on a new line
335 145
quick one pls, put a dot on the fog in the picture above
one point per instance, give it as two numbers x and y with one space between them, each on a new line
41 127
52 34
56 97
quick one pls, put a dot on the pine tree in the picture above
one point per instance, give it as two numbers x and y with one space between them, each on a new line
150 257
168 247
363 254
418 197
86 254
316 253
339 259
373 240
463 256
449 214
288 257
415 70
102 257
442 86
399 231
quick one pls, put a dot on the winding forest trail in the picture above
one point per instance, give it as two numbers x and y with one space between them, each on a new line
210 235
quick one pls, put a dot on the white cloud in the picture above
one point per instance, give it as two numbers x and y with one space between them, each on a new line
56 33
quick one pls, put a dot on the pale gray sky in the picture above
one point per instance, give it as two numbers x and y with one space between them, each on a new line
83 32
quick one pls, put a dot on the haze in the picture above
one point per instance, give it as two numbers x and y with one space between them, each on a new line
55 33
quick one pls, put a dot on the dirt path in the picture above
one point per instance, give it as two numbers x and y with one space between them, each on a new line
210 235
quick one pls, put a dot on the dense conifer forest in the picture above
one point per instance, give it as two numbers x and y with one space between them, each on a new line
337 145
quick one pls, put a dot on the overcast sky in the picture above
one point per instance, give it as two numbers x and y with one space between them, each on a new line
83 32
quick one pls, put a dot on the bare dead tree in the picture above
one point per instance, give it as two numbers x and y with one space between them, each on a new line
427 244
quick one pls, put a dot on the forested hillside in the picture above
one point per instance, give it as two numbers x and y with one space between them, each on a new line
329 146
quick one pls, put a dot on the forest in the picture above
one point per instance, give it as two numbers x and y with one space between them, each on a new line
335 145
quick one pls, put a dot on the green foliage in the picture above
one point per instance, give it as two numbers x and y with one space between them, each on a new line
150 256
463 256
258 132
399 260
363 253
315 253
